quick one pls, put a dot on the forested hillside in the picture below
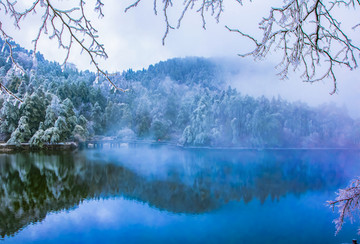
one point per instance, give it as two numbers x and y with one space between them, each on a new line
181 100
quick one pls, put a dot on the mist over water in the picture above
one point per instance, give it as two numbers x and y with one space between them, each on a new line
161 193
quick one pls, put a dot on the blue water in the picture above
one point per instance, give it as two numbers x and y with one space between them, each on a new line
162 194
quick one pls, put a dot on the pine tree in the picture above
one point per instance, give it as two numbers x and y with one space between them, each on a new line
67 112
113 116
52 112
187 136
22 132
36 140
62 127
34 107
51 135
97 118
10 115
79 133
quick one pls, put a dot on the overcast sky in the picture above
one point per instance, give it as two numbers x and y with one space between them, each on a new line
133 40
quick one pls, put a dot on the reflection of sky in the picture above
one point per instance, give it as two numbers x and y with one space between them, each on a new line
301 181
164 163
290 220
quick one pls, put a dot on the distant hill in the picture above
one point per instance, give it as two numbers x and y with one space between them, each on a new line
189 71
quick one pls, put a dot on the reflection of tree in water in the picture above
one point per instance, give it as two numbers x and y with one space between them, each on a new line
33 185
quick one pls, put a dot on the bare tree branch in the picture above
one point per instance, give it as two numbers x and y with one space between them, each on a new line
7 40
67 26
308 35
214 6
347 202
305 32
6 90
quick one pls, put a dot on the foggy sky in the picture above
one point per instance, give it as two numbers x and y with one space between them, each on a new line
133 40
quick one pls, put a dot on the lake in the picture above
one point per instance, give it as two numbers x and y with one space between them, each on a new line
163 194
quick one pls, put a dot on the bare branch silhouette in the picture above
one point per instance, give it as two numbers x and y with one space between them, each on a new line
66 25
308 35
347 202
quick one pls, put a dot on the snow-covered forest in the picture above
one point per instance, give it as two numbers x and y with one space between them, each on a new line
187 101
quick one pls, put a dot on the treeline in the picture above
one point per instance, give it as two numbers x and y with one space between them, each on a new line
181 100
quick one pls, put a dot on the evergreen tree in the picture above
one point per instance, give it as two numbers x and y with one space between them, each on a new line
14 83
97 118
52 112
37 139
187 136
10 115
22 132
34 107
79 133
113 117
160 129
62 127
51 135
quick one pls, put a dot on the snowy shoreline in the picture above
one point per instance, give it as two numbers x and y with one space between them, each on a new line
48 147
69 146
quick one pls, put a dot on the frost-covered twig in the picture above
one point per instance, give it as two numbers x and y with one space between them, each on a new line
67 25
214 6
307 34
7 39
347 202
6 90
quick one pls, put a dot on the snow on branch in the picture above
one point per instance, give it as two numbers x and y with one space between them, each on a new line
347 202
213 6
68 26
307 34
3 88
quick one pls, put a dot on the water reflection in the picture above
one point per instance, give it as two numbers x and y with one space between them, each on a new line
174 180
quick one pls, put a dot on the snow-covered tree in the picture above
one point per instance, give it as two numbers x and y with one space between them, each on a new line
52 112
160 129
98 118
113 117
22 132
10 115
34 107
79 133
36 140
63 128
51 135
187 136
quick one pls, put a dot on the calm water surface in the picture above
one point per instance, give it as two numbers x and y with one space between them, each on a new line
160 194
